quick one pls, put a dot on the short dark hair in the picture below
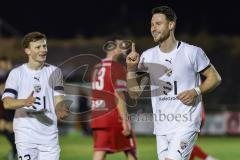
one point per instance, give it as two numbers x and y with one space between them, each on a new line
167 11
32 37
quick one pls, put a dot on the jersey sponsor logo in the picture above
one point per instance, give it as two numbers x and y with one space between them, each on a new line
99 105
167 98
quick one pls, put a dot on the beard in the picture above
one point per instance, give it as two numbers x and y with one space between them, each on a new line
161 37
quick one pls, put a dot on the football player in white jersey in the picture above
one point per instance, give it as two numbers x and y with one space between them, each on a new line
35 90
174 69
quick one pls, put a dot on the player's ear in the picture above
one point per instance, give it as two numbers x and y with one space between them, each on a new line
171 25
27 51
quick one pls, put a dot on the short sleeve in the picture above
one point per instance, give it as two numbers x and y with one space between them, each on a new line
11 85
56 79
201 61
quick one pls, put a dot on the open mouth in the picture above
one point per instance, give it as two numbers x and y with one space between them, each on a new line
43 55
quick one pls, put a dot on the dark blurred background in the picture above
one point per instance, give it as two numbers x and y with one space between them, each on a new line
90 18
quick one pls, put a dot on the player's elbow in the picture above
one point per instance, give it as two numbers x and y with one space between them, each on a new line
218 80
6 105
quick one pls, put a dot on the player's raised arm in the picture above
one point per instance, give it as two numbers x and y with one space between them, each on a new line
12 103
132 61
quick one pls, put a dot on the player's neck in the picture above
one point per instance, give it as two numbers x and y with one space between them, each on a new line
35 65
112 57
168 45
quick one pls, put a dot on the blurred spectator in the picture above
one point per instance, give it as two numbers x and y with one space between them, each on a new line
6 116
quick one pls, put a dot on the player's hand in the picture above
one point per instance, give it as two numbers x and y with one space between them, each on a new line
126 128
188 97
132 59
62 110
30 100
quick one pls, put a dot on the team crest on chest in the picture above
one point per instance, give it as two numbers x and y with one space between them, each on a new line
37 88
36 84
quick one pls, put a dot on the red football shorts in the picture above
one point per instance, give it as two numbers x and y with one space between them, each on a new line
112 140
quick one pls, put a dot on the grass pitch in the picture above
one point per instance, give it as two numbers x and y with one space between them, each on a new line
80 148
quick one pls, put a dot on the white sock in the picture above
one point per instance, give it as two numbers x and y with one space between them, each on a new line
210 158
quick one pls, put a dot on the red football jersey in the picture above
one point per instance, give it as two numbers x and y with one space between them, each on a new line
108 76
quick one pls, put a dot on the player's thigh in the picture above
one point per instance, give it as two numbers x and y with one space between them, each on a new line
27 151
181 145
101 139
49 152
162 146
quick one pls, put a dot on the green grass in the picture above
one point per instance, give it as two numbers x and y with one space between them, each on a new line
80 148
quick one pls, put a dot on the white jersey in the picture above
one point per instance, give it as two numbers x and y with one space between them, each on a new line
170 74
36 124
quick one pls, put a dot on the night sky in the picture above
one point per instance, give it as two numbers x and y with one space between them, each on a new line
88 18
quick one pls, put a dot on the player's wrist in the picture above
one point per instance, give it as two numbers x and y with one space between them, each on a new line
131 75
198 91
22 102
131 67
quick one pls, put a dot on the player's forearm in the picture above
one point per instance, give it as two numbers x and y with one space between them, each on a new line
213 79
11 103
122 110
121 104
134 88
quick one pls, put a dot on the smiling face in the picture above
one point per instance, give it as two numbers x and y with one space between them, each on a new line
161 27
37 51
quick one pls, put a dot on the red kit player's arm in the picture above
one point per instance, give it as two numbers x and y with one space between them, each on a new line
121 104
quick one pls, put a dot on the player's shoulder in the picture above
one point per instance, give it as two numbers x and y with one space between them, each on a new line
106 61
151 50
190 47
110 64
17 69
148 54
51 67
